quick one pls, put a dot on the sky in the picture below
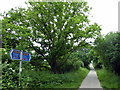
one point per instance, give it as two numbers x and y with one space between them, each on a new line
104 12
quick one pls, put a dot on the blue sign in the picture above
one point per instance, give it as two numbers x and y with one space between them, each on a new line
15 54
26 56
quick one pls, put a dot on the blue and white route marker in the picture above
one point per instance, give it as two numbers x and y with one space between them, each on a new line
26 56
15 54
19 55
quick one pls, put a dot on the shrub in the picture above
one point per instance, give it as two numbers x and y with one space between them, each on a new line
108 49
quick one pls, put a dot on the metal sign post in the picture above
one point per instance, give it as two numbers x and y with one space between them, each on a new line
22 56
20 65
19 55
20 70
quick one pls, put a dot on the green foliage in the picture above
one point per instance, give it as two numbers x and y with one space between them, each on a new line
72 65
108 79
98 64
58 28
86 56
81 58
0 68
108 49
33 78
10 76
42 79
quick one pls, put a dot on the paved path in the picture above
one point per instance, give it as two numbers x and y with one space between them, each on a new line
91 81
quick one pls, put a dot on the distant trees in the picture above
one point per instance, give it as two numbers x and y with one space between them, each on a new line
77 59
58 29
108 48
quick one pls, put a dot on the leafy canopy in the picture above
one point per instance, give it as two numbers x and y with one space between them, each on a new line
52 29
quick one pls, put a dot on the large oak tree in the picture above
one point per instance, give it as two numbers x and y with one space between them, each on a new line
52 29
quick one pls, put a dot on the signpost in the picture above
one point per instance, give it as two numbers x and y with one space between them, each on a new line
25 56
15 54
20 55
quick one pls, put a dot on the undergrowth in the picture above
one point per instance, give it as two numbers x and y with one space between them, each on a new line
108 79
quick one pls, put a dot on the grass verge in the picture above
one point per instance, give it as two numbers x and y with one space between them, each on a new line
76 78
49 80
108 79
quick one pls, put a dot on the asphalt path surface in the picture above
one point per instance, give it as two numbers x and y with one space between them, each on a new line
91 80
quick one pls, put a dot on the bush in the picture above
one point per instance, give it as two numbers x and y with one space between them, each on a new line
46 79
80 58
108 49
98 65
72 65
40 79
108 79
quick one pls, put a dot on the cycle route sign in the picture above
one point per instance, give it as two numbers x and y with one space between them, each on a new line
19 55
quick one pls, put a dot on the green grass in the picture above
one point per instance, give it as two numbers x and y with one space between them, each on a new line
108 79
76 78
46 79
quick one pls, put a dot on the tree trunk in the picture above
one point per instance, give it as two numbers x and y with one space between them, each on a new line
54 67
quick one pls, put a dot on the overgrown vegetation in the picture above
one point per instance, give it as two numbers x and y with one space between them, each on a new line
53 30
57 35
108 79
108 61
108 48
31 78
